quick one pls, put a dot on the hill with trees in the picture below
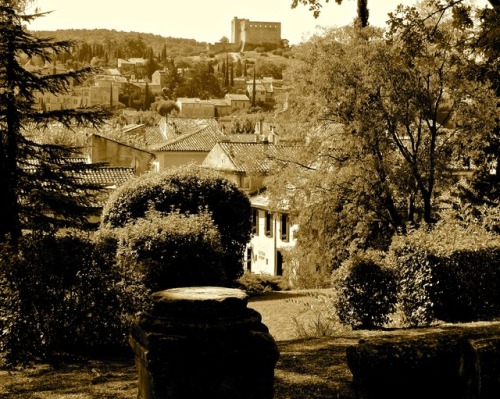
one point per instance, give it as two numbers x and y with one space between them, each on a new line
120 44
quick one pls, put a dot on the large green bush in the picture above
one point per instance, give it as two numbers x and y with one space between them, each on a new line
365 292
469 285
449 273
416 283
62 295
189 189
172 250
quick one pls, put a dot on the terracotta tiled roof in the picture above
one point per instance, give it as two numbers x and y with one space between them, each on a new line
255 157
153 137
107 176
237 97
180 126
202 140
242 138
220 102
260 200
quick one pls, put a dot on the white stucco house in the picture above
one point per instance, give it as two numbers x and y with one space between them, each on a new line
273 232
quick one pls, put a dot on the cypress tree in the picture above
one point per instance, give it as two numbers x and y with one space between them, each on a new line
39 187
253 87
226 72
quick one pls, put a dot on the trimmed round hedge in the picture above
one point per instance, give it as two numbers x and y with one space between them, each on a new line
173 250
188 189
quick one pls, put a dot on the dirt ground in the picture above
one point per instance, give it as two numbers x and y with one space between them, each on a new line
312 363
307 368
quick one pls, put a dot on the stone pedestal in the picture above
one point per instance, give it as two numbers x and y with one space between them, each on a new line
203 342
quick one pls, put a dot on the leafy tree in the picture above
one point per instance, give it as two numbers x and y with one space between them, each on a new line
365 292
269 68
129 95
451 106
377 144
483 191
134 47
151 64
173 250
173 81
200 82
188 189
53 307
163 56
362 9
38 185
226 71
166 107
238 70
148 98
315 6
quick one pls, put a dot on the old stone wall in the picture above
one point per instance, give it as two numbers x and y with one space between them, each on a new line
255 32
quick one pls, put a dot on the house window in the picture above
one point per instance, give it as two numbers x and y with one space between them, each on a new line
245 182
249 259
255 221
284 227
269 224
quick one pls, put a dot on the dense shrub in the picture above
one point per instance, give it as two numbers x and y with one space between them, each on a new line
469 287
189 189
61 295
259 283
173 250
416 284
306 270
449 273
365 292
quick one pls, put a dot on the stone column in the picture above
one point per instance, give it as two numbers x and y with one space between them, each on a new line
203 342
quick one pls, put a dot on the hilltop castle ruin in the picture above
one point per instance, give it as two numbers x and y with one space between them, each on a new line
245 33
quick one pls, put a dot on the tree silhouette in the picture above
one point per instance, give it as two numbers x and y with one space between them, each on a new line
39 187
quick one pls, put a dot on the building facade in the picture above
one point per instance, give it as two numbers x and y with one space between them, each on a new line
273 233
195 108
244 31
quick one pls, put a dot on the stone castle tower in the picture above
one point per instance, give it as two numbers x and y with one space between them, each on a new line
244 31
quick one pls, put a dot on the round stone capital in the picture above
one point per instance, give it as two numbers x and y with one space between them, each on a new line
200 300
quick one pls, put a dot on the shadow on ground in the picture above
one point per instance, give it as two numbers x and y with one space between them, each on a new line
103 379
313 369
276 295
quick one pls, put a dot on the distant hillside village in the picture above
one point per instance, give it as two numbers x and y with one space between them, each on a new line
132 80
110 84
195 130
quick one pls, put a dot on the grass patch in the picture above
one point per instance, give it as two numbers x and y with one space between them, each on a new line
308 368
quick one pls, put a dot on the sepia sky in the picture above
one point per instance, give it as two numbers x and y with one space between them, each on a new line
203 20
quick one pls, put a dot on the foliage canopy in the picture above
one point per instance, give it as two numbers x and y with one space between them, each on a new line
387 120
187 189
39 187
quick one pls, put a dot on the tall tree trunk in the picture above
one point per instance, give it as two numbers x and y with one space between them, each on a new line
10 225
363 13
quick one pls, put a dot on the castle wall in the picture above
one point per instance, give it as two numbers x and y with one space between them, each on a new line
246 31
260 32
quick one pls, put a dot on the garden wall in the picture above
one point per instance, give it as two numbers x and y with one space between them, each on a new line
451 361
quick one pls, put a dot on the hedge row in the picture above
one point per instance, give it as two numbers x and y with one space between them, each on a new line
72 293
190 189
63 294
449 274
